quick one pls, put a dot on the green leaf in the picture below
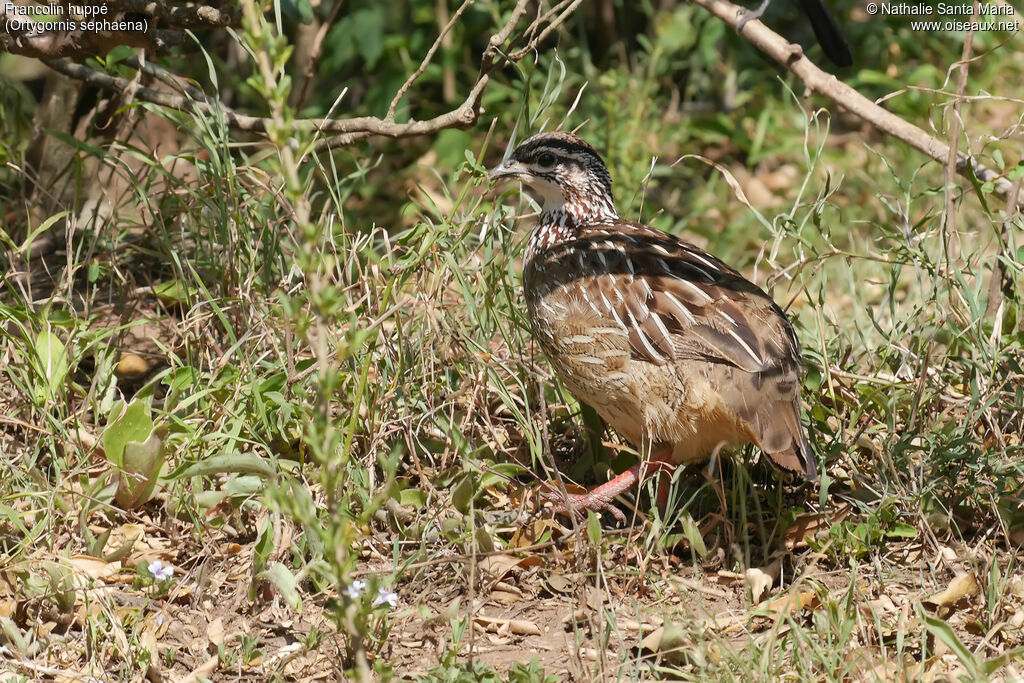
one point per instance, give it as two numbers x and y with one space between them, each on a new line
53 365
594 528
135 447
902 531
133 424
992 665
174 292
692 532
979 190
462 494
944 632
298 9
414 498
284 581
39 230
264 545
141 469
241 463
181 382
368 25
499 474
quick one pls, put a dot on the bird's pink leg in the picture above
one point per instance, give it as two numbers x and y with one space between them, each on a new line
600 497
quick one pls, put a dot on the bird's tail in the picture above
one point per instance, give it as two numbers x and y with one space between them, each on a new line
785 426
768 404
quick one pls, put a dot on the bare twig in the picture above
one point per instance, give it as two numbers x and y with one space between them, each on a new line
313 56
955 128
792 57
565 7
348 130
999 284
390 116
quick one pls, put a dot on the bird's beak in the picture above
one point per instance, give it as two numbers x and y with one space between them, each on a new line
506 169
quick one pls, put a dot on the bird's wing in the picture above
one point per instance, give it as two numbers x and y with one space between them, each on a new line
674 300
677 303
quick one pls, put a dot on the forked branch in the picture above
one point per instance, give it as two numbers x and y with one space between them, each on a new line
347 130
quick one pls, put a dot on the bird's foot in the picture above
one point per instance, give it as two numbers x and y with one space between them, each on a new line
578 504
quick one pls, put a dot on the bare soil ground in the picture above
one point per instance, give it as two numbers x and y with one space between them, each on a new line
584 612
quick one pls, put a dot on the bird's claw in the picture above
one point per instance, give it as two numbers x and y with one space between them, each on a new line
578 504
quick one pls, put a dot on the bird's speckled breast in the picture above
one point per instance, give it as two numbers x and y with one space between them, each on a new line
589 353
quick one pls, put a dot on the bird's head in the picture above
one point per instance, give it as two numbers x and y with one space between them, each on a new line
565 171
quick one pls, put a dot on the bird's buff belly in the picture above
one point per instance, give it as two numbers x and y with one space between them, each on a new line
650 406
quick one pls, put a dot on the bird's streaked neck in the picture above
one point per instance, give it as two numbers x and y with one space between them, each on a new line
579 209
561 218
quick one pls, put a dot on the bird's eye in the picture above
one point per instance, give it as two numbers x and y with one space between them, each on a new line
546 159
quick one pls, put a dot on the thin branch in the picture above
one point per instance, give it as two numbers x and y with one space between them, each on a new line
792 57
190 16
302 95
999 284
390 116
346 131
955 128
569 6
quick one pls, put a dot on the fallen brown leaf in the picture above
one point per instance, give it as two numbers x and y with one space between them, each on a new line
498 624
962 586
786 604
808 524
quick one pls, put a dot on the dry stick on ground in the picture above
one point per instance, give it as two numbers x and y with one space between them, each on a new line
792 57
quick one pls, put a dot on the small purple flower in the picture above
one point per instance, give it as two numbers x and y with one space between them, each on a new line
355 589
386 596
159 571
